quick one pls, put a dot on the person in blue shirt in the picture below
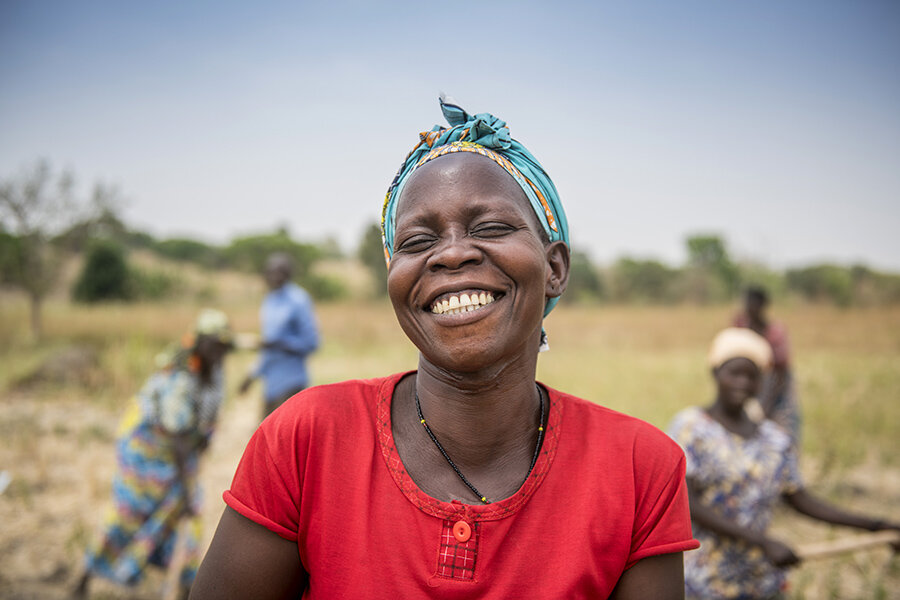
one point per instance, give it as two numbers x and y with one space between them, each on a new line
289 335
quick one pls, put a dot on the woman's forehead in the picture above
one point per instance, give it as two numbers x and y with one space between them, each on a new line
479 178
739 363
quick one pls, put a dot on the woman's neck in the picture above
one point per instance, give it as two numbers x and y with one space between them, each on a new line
734 420
480 416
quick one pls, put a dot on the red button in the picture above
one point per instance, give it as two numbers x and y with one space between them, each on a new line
462 532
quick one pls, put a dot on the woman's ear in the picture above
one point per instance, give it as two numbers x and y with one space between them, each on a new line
558 272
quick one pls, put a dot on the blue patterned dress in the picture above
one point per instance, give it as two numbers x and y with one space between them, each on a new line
741 479
141 527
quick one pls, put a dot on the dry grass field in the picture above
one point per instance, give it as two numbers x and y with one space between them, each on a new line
60 401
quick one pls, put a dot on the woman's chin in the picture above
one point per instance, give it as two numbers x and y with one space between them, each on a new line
740 404
479 351
467 360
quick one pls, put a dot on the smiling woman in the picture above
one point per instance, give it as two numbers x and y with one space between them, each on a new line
465 478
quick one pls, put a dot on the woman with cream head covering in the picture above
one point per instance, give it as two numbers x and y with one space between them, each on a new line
738 468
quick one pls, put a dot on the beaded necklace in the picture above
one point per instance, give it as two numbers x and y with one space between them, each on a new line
481 496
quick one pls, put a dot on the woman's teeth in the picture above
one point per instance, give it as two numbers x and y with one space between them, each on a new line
462 303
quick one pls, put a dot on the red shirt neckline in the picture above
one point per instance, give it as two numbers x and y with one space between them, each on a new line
457 510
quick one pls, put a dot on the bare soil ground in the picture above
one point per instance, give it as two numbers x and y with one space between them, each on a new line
60 456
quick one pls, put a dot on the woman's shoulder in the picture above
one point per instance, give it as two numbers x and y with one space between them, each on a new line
691 424
692 416
599 422
597 413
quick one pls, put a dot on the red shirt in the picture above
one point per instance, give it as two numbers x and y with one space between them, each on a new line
607 490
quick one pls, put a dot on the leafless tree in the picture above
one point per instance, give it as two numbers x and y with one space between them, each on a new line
34 206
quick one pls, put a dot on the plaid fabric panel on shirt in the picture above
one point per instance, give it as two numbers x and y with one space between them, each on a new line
456 560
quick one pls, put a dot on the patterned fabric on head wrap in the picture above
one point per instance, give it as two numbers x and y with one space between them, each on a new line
488 136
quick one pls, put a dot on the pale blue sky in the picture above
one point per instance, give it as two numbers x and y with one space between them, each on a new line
774 124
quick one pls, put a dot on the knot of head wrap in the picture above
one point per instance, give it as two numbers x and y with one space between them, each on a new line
488 136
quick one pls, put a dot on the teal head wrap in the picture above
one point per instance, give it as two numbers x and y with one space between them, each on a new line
488 136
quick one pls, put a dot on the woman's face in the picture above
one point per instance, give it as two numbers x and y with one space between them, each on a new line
211 350
738 381
465 233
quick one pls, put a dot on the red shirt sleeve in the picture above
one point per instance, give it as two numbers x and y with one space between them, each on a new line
266 490
662 523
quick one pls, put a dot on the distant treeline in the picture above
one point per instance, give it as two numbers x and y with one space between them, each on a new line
30 257
699 281
709 275
246 253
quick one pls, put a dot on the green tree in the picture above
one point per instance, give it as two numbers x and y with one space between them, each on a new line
105 275
324 287
139 239
585 283
642 281
872 287
822 283
152 284
710 274
184 249
371 255
250 252
758 274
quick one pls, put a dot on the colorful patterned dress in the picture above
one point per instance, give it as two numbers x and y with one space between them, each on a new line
141 527
741 479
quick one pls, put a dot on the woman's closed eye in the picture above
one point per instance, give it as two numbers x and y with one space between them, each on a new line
416 243
492 230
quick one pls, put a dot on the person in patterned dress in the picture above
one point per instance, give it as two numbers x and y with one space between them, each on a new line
161 438
738 468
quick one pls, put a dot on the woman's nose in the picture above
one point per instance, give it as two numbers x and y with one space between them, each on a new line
454 252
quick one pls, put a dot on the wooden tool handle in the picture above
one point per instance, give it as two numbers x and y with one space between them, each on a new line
840 546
